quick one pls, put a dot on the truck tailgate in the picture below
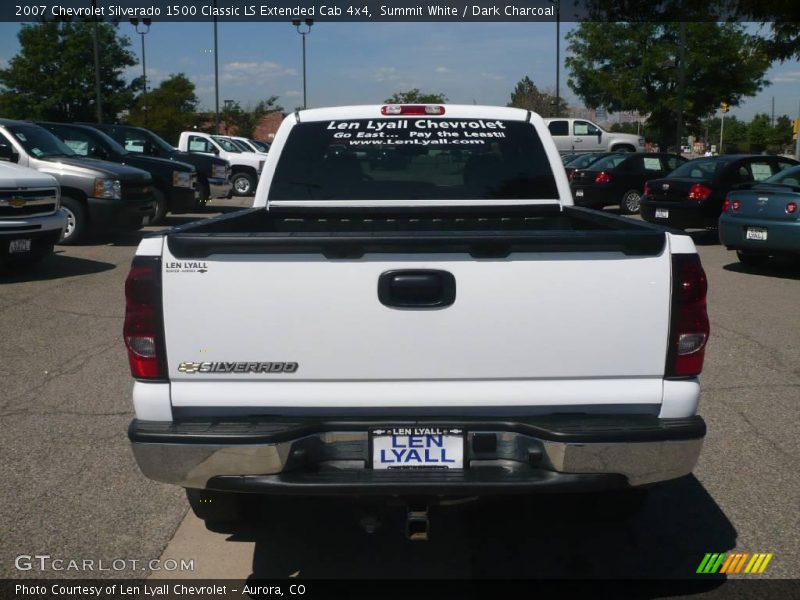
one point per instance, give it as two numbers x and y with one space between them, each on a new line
535 320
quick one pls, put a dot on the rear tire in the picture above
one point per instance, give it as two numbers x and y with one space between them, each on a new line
77 221
161 209
623 148
751 260
243 184
631 202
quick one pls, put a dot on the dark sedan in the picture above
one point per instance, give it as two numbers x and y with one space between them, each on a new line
692 195
582 160
620 178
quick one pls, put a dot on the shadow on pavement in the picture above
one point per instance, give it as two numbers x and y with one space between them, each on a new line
705 237
57 266
505 538
780 267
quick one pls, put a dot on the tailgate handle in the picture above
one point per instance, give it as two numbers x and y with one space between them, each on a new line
417 288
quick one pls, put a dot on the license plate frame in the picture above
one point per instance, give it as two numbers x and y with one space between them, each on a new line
758 234
448 454
19 246
662 213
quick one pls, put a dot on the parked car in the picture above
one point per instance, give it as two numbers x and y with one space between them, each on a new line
174 181
476 369
30 219
213 173
763 220
250 145
582 135
245 166
692 195
619 179
96 195
583 160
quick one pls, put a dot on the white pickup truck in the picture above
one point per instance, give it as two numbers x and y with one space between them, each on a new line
31 221
447 324
580 135
245 166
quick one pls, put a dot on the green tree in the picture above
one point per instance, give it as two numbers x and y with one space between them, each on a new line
414 96
635 66
781 135
170 107
53 76
759 131
526 95
243 121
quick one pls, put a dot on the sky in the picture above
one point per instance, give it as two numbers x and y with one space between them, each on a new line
363 63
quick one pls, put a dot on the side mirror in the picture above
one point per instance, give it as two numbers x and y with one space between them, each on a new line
98 152
8 153
599 136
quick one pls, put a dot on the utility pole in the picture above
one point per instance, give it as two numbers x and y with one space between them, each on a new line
721 129
772 121
216 75
98 97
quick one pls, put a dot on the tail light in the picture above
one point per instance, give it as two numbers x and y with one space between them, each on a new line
412 109
646 191
726 205
736 204
572 175
689 327
143 329
791 208
602 177
699 192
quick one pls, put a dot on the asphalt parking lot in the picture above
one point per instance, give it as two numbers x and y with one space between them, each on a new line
72 489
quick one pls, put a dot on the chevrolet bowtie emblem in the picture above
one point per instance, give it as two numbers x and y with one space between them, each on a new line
17 201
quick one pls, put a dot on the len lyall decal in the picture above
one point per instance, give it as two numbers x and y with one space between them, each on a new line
734 562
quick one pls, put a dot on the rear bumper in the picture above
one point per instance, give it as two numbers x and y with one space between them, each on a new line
682 215
537 454
782 236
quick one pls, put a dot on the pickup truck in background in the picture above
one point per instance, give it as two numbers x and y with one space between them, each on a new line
174 182
419 331
251 145
581 135
245 166
96 195
213 173
30 220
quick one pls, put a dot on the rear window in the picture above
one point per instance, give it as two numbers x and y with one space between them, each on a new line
699 169
609 162
414 159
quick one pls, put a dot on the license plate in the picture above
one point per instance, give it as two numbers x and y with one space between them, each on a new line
662 213
579 193
417 448
756 233
18 246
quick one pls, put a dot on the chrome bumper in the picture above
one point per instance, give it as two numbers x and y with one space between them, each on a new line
219 188
194 464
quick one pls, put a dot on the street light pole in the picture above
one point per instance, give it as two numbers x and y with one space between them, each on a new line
681 82
144 30
557 4
95 51
304 32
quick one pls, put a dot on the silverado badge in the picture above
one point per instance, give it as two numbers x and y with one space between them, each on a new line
237 367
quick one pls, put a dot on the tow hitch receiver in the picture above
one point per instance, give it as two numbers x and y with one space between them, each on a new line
417 522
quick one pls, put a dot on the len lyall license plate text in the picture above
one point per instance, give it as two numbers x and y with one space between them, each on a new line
417 448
